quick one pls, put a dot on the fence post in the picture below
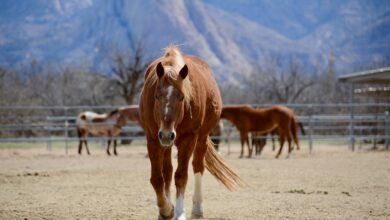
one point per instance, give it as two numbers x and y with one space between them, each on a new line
351 127
66 125
387 130
48 130
310 133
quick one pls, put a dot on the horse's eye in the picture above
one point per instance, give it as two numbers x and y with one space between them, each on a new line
182 98
156 96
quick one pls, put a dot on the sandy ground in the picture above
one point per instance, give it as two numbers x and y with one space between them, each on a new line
330 183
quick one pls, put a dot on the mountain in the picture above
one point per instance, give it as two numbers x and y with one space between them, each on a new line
231 35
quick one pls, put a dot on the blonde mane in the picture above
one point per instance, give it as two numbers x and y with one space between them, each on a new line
173 62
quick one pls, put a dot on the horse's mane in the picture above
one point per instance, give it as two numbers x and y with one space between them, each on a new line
173 62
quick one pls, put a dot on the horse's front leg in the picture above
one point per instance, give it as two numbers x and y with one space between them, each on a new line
185 147
156 156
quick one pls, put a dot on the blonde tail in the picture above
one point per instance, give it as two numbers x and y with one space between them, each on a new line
220 170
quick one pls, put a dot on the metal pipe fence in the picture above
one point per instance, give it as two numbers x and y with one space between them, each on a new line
370 123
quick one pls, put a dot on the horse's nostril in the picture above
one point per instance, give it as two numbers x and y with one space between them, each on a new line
160 134
173 135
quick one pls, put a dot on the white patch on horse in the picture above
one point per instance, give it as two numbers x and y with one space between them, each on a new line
169 94
179 208
197 209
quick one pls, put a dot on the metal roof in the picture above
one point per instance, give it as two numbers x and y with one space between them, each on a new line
381 75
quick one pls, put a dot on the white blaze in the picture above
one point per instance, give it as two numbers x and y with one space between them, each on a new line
169 94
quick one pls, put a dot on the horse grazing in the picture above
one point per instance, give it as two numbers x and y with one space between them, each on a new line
216 134
109 125
259 140
180 104
264 120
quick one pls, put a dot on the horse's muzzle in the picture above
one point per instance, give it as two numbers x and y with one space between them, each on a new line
166 138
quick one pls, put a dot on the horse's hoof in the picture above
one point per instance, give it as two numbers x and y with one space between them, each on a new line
197 211
168 216
277 156
240 156
181 216
161 217
196 216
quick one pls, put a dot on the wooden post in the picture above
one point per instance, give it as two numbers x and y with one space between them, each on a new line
351 127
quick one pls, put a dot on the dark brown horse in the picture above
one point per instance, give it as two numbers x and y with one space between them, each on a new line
108 125
248 119
216 134
180 104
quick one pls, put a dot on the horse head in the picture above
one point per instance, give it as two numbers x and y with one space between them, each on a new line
171 97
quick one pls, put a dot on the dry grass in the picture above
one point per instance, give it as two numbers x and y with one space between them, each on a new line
331 183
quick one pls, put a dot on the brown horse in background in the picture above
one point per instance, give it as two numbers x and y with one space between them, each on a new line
180 104
248 119
259 140
216 134
108 125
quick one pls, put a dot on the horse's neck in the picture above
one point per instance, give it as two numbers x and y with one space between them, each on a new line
122 120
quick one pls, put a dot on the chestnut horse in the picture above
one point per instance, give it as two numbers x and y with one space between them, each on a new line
264 120
180 104
109 125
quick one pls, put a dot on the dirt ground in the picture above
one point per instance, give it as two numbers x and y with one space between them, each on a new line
330 183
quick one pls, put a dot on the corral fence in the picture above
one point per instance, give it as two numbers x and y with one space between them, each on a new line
354 123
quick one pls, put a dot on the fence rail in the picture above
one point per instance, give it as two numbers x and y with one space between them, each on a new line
340 121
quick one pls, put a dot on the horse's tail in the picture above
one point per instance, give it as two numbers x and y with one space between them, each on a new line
220 170
294 131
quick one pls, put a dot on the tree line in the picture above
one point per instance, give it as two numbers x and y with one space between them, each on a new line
271 80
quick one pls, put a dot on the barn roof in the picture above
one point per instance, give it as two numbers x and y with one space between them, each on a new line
381 75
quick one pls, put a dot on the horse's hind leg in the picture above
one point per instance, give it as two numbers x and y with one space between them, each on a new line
86 147
80 146
115 148
250 148
281 140
198 166
290 148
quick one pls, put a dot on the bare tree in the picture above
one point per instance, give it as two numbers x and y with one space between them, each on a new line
127 74
273 83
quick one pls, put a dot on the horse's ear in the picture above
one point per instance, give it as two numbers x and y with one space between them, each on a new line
160 70
184 72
